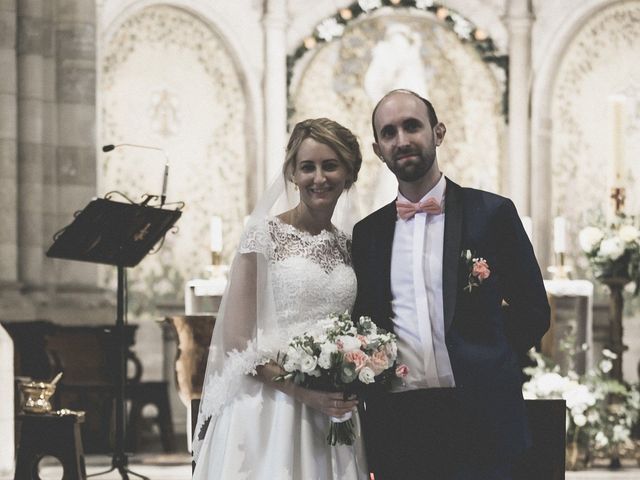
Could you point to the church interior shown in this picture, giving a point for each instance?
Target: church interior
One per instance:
(184, 107)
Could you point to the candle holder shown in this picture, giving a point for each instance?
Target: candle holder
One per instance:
(618, 196)
(560, 271)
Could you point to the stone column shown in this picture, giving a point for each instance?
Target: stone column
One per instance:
(8, 145)
(75, 111)
(275, 86)
(519, 21)
(30, 121)
(540, 187)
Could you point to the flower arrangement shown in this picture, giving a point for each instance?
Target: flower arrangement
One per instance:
(613, 248)
(340, 356)
(478, 269)
(600, 411)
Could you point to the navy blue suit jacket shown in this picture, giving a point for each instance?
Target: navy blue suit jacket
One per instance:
(482, 340)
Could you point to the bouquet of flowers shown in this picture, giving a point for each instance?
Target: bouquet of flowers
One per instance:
(340, 356)
(613, 249)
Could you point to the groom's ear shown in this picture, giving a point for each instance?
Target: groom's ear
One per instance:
(376, 150)
(439, 132)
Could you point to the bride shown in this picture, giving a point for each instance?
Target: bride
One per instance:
(291, 270)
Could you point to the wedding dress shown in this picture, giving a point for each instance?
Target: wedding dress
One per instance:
(246, 428)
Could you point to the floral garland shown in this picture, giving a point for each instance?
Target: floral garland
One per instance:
(333, 27)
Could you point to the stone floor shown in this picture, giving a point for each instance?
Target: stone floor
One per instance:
(177, 467)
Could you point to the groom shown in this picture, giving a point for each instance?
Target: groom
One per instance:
(437, 268)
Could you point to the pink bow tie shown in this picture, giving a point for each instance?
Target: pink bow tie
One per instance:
(406, 210)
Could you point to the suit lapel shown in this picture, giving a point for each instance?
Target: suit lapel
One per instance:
(382, 253)
(451, 252)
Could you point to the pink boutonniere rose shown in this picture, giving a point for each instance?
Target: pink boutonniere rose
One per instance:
(478, 270)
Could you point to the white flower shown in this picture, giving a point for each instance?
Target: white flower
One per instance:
(424, 4)
(589, 238)
(620, 434)
(366, 375)
(329, 28)
(611, 248)
(461, 26)
(347, 343)
(628, 233)
(609, 354)
(550, 382)
(580, 420)
(601, 440)
(579, 398)
(606, 365)
(308, 363)
(367, 5)
(326, 349)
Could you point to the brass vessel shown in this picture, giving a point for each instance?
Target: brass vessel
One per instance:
(36, 395)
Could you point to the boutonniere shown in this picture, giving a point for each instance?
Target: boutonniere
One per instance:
(478, 269)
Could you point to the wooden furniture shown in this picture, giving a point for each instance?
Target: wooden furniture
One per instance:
(88, 356)
(46, 434)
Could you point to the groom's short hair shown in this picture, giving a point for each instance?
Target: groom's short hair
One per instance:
(431, 112)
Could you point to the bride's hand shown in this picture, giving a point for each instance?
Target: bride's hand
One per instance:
(332, 404)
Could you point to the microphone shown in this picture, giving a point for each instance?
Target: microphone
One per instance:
(165, 176)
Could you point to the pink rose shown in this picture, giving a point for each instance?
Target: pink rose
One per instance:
(481, 269)
(402, 371)
(378, 362)
(363, 340)
(357, 357)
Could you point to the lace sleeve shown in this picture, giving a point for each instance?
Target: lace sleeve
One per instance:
(256, 239)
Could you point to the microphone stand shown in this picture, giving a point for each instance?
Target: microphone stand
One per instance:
(118, 234)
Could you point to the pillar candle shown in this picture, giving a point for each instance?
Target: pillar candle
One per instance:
(216, 234)
(617, 111)
(559, 231)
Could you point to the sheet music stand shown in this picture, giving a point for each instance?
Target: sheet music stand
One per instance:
(119, 234)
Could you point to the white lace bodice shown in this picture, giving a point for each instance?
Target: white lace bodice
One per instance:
(312, 275)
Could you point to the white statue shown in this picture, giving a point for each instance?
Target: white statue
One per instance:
(396, 62)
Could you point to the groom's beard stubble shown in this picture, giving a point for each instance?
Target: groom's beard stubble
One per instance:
(414, 169)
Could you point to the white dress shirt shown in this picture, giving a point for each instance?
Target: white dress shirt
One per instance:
(416, 290)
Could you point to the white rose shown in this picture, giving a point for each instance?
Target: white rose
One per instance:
(606, 365)
(579, 398)
(620, 434)
(580, 420)
(612, 248)
(550, 382)
(366, 375)
(348, 343)
(628, 233)
(308, 363)
(589, 238)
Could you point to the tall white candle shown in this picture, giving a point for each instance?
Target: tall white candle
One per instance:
(617, 105)
(527, 223)
(216, 234)
(559, 231)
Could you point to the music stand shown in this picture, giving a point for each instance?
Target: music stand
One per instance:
(119, 234)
